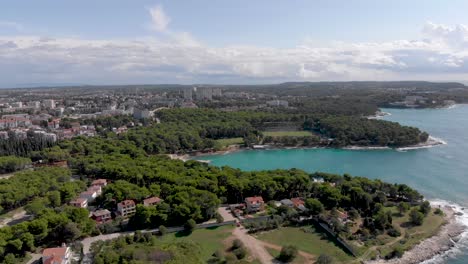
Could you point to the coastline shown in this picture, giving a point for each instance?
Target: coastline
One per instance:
(431, 142)
(379, 115)
(436, 246)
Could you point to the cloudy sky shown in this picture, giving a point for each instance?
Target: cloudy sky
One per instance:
(221, 41)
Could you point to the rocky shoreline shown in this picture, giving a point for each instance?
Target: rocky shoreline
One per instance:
(443, 241)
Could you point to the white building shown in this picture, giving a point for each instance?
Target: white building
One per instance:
(49, 103)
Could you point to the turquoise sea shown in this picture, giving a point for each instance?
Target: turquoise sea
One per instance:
(440, 172)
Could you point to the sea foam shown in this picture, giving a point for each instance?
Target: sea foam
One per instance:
(460, 246)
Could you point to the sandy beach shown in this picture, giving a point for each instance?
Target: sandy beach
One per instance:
(445, 239)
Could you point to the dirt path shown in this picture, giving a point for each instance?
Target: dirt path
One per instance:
(17, 216)
(309, 258)
(253, 245)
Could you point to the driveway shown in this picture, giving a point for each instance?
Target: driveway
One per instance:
(226, 214)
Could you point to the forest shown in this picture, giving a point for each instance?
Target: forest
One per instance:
(191, 191)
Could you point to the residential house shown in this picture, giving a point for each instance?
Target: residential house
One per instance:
(89, 195)
(95, 188)
(287, 202)
(126, 208)
(79, 202)
(99, 182)
(59, 255)
(254, 204)
(299, 203)
(101, 216)
(152, 201)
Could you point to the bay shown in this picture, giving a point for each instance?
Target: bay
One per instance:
(439, 172)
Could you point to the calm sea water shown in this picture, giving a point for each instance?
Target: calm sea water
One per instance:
(439, 172)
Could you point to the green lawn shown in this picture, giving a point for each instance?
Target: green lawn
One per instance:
(210, 239)
(287, 133)
(311, 242)
(225, 142)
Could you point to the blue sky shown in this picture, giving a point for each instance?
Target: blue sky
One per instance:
(217, 41)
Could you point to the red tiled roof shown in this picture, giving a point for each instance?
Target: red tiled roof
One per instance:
(53, 260)
(152, 200)
(79, 200)
(254, 199)
(127, 202)
(99, 182)
(297, 201)
(60, 251)
(101, 212)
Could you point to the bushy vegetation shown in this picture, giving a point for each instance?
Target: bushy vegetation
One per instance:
(11, 163)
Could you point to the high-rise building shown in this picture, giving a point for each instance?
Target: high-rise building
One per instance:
(49, 103)
(203, 93)
(188, 93)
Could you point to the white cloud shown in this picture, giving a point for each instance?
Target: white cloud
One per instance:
(178, 57)
(159, 19)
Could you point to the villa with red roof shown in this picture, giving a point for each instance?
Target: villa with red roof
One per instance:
(151, 201)
(254, 204)
(59, 255)
(126, 208)
(79, 202)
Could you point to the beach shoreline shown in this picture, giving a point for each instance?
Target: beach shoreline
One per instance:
(431, 142)
(437, 245)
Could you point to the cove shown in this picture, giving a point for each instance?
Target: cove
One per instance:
(439, 172)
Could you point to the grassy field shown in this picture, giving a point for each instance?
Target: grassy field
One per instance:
(415, 234)
(310, 242)
(287, 133)
(225, 142)
(411, 235)
(209, 239)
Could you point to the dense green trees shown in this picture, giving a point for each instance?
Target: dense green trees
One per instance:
(345, 130)
(25, 186)
(50, 227)
(19, 146)
(12, 163)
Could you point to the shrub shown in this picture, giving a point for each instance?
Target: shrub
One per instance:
(219, 218)
(394, 232)
(397, 252)
(240, 253)
(190, 225)
(425, 207)
(237, 244)
(416, 217)
(163, 230)
(324, 259)
(288, 253)
(438, 211)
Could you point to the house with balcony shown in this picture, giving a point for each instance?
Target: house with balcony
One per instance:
(79, 202)
(126, 208)
(101, 216)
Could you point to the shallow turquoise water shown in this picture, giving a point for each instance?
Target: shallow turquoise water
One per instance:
(439, 172)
